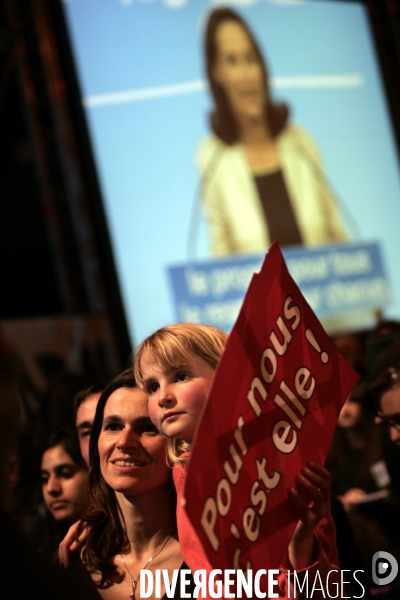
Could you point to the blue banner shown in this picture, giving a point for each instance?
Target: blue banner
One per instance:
(345, 285)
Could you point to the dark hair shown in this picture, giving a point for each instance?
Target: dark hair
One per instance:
(385, 376)
(84, 394)
(342, 447)
(50, 531)
(222, 120)
(66, 438)
(107, 535)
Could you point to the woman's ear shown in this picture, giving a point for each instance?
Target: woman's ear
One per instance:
(214, 72)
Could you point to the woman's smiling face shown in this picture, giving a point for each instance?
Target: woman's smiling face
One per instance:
(131, 451)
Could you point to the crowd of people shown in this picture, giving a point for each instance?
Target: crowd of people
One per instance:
(117, 473)
(109, 479)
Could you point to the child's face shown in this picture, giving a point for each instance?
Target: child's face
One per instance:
(176, 396)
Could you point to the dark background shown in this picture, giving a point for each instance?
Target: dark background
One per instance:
(55, 253)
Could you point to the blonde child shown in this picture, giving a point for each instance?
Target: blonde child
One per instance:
(175, 366)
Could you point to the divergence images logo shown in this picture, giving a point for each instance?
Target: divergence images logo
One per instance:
(384, 568)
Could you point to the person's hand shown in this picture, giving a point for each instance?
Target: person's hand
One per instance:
(351, 497)
(71, 543)
(312, 500)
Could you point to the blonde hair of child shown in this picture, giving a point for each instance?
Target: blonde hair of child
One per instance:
(175, 345)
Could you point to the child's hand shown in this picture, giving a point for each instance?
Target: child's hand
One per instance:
(71, 543)
(313, 502)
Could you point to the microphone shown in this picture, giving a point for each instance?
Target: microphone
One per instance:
(325, 181)
(192, 239)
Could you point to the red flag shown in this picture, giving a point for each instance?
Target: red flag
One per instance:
(274, 405)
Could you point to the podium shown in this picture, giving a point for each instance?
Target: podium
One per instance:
(345, 284)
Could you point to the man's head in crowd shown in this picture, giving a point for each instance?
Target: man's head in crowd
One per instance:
(85, 404)
(384, 392)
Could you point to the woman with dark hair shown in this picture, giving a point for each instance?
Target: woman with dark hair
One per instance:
(63, 475)
(262, 178)
(132, 501)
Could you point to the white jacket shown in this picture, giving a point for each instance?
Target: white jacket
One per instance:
(232, 205)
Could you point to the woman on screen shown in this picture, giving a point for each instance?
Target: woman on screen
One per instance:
(262, 178)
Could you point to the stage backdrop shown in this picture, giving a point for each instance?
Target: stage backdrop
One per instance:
(140, 68)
